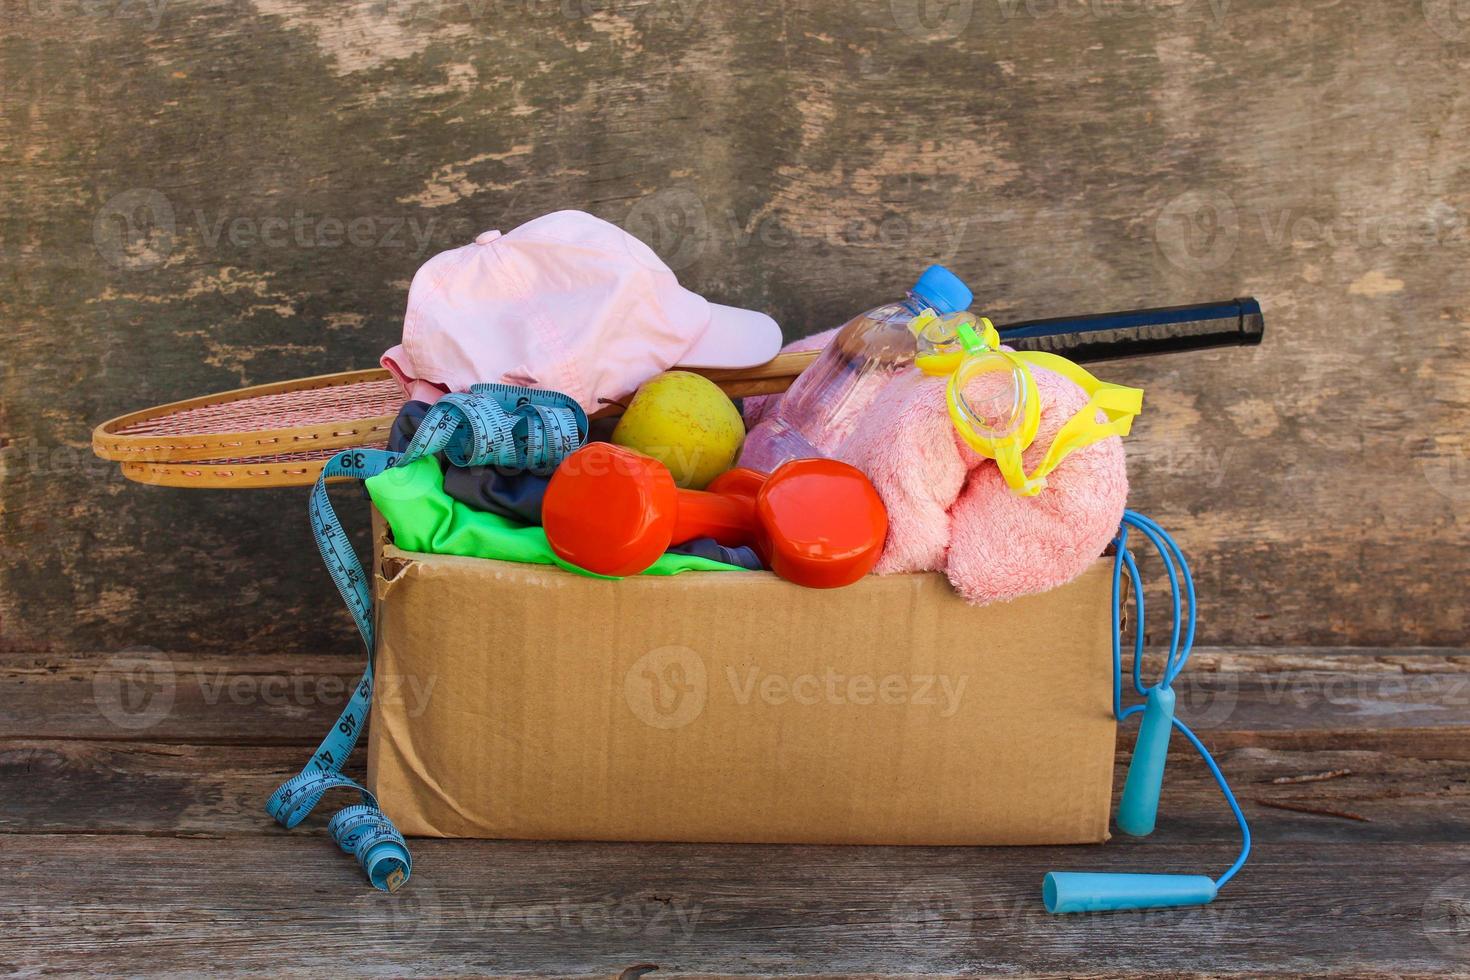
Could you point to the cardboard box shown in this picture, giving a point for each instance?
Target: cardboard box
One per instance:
(523, 701)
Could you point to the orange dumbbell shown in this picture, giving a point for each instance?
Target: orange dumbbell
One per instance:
(815, 522)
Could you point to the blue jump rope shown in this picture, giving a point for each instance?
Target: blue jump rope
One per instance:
(1081, 891)
(520, 427)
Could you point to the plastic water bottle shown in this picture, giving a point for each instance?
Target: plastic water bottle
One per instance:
(828, 399)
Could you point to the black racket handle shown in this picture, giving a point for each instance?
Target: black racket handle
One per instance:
(1138, 333)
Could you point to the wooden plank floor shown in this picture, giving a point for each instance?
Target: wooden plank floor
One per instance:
(135, 843)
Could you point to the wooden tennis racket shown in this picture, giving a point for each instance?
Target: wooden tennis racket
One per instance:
(282, 434)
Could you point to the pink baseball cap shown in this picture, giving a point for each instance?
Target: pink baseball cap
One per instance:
(568, 302)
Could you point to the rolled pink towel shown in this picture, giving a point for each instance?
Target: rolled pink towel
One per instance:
(950, 510)
(1002, 546)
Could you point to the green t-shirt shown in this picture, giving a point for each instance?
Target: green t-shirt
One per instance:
(424, 518)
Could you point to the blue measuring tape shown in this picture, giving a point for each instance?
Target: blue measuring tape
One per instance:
(492, 425)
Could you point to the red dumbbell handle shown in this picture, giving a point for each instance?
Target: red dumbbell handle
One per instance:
(730, 520)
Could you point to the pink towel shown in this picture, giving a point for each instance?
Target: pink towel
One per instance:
(948, 507)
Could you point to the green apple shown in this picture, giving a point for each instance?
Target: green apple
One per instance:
(686, 422)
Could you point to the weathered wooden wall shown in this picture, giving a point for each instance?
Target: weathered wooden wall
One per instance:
(199, 195)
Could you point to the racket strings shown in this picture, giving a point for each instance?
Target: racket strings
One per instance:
(316, 455)
(282, 410)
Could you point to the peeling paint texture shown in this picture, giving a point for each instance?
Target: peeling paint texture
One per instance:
(199, 195)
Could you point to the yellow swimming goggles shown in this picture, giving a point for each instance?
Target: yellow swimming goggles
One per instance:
(994, 404)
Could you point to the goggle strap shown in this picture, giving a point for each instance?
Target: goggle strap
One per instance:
(1118, 403)
(1079, 432)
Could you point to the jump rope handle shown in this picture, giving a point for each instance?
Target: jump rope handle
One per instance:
(1086, 891)
(1139, 807)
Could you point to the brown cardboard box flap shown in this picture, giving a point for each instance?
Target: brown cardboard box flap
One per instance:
(523, 701)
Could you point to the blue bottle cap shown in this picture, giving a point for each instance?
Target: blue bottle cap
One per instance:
(943, 290)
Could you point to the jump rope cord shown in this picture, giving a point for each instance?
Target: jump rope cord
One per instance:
(1181, 644)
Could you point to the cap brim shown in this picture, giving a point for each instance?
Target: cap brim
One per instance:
(736, 338)
(400, 365)
(397, 362)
